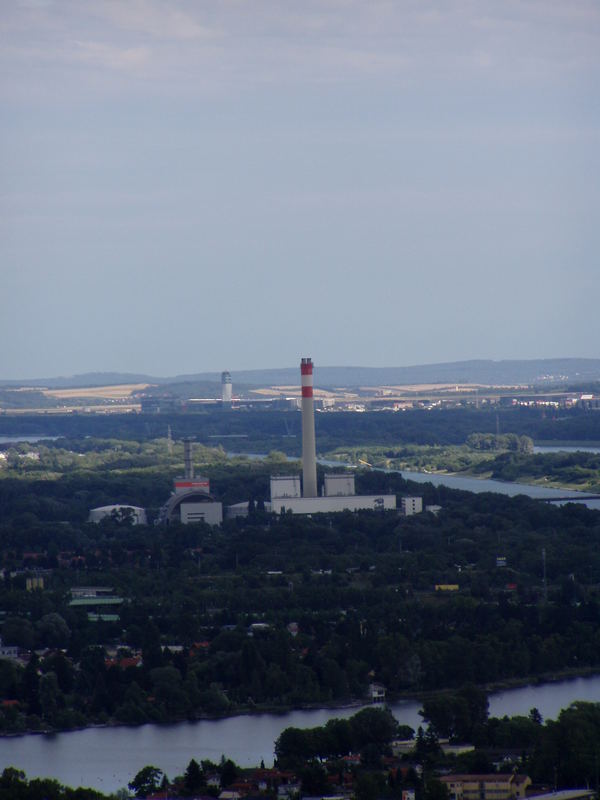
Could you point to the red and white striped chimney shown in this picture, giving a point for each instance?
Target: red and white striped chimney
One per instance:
(309, 453)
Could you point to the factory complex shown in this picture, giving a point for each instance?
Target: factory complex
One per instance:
(191, 500)
(338, 495)
(287, 493)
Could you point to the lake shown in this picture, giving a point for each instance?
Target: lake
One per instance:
(108, 758)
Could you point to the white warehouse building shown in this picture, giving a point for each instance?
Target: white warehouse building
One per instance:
(325, 505)
(120, 513)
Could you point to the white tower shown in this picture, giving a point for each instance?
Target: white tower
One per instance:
(226, 388)
(309, 453)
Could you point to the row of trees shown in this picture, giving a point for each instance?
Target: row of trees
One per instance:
(281, 430)
(564, 752)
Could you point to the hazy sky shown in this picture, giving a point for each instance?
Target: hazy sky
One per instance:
(191, 185)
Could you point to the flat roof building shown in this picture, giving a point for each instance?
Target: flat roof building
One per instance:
(325, 505)
(339, 485)
(120, 513)
(411, 505)
(285, 486)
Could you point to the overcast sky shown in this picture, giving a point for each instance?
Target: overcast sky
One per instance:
(191, 185)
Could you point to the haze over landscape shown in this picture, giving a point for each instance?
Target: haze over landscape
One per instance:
(299, 400)
(190, 187)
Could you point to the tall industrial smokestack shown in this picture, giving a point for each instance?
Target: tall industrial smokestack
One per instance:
(309, 453)
(187, 459)
(226, 388)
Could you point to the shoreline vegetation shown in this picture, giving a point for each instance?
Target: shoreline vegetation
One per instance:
(371, 755)
(277, 710)
(508, 458)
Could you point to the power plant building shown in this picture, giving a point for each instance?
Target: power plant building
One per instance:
(339, 491)
(285, 486)
(412, 505)
(191, 500)
(120, 513)
(339, 485)
(325, 505)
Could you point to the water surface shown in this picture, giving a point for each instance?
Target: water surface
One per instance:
(108, 758)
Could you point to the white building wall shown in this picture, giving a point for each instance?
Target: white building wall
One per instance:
(237, 510)
(285, 486)
(98, 514)
(211, 513)
(323, 505)
(412, 505)
(339, 485)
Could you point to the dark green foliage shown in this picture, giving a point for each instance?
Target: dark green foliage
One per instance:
(15, 786)
(313, 778)
(360, 588)
(458, 716)
(280, 430)
(146, 781)
(369, 728)
(436, 790)
(193, 778)
(569, 748)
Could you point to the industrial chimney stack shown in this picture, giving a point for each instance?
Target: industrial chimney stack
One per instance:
(309, 453)
(187, 459)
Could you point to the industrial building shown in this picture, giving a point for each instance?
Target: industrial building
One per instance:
(191, 500)
(412, 505)
(289, 495)
(120, 513)
(496, 786)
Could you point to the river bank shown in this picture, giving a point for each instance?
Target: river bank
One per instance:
(544, 482)
(344, 706)
(107, 758)
(469, 480)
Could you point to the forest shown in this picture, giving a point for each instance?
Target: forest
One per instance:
(265, 430)
(270, 611)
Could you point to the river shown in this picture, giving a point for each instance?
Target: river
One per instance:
(108, 758)
(476, 485)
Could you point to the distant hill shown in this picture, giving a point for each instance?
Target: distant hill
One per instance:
(85, 380)
(551, 371)
(539, 371)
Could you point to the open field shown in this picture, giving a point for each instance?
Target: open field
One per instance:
(118, 392)
(295, 391)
